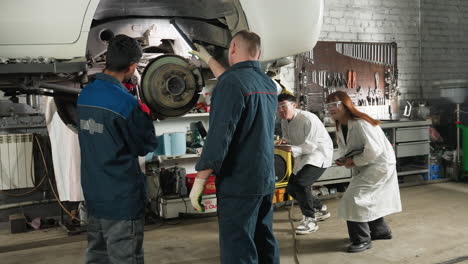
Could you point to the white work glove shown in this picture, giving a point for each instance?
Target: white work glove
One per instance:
(196, 194)
(201, 53)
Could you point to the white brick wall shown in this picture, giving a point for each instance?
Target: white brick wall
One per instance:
(379, 21)
(444, 37)
(444, 42)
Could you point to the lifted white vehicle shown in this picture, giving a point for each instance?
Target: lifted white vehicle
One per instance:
(53, 47)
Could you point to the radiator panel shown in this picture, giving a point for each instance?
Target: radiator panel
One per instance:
(16, 161)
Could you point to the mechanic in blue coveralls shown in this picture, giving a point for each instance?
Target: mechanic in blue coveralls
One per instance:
(113, 131)
(239, 151)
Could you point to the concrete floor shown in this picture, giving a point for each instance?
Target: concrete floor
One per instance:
(433, 228)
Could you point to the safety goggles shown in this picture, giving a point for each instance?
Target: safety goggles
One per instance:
(284, 106)
(332, 105)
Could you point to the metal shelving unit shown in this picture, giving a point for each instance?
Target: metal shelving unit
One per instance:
(409, 139)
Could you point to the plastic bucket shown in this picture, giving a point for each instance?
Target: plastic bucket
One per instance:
(178, 143)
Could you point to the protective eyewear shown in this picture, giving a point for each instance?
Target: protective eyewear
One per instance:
(332, 105)
(284, 106)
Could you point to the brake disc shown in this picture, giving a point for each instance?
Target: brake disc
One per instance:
(171, 85)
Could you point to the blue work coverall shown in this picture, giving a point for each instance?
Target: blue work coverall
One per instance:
(239, 148)
(113, 131)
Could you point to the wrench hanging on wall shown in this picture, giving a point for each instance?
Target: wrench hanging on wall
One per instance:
(378, 53)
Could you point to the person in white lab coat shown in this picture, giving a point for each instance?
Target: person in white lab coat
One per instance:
(312, 149)
(373, 191)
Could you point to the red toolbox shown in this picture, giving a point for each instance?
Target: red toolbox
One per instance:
(210, 187)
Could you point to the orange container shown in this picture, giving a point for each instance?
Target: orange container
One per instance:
(274, 197)
(280, 194)
(210, 187)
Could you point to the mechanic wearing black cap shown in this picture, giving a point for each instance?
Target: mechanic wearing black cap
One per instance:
(113, 131)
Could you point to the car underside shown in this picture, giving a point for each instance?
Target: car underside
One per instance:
(58, 51)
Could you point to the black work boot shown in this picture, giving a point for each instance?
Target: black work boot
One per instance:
(359, 247)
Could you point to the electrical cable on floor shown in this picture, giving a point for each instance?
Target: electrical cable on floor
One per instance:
(460, 259)
(52, 186)
(295, 249)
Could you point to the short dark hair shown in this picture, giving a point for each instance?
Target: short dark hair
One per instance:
(251, 39)
(286, 97)
(122, 51)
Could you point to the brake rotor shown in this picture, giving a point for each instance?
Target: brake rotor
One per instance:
(170, 85)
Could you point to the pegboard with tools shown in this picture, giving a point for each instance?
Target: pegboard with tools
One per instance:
(366, 71)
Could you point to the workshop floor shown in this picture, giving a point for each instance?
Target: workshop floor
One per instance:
(433, 228)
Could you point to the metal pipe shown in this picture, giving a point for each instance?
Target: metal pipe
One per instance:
(59, 88)
(14, 205)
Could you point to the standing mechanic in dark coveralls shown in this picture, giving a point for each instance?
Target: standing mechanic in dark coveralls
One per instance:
(239, 151)
(113, 132)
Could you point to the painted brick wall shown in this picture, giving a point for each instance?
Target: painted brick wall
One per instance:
(443, 37)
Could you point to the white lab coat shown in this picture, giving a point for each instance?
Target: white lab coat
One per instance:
(373, 191)
(310, 142)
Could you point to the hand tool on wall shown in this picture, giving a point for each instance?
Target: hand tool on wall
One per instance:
(375, 58)
(354, 80)
(369, 52)
(360, 52)
(376, 78)
(319, 76)
(333, 80)
(381, 54)
(361, 97)
(343, 81)
(391, 55)
(378, 53)
(369, 99)
(385, 54)
(349, 81)
(378, 60)
(369, 59)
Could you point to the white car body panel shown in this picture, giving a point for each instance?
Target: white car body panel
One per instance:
(58, 29)
(285, 27)
(47, 28)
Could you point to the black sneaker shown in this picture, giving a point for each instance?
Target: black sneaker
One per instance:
(322, 214)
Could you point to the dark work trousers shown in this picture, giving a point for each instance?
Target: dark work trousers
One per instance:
(300, 187)
(246, 230)
(360, 232)
(115, 241)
